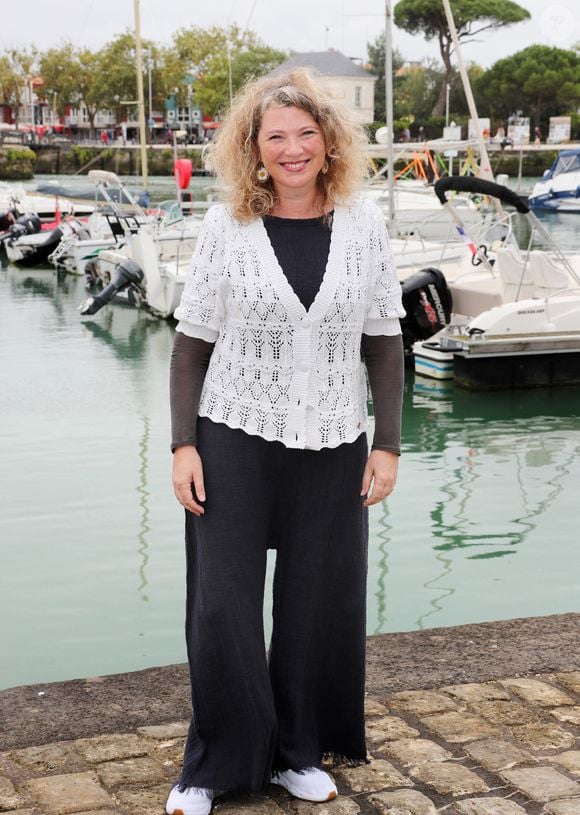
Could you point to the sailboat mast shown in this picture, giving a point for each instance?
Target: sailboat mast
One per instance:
(389, 111)
(485, 170)
(140, 96)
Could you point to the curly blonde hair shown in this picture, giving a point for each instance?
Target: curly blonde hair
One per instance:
(235, 158)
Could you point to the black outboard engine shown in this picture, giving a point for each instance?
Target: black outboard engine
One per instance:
(427, 302)
(24, 225)
(126, 275)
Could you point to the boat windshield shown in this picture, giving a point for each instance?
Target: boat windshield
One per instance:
(567, 164)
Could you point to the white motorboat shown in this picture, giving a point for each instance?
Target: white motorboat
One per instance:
(47, 207)
(111, 227)
(519, 319)
(559, 188)
(148, 271)
(110, 224)
(32, 248)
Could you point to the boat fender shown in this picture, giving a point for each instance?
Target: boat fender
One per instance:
(126, 273)
(182, 170)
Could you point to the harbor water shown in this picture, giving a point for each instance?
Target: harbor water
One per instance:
(482, 525)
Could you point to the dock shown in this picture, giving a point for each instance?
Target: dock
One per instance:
(478, 719)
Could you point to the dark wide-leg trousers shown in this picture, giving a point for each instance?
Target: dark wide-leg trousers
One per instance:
(255, 712)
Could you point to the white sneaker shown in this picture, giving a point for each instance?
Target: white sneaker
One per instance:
(192, 801)
(310, 784)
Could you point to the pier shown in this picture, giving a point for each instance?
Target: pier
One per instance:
(472, 720)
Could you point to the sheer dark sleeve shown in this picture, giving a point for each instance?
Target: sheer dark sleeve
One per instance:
(384, 358)
(189, 363)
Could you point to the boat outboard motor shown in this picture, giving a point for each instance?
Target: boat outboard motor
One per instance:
(126, 274)
(28, 224)
(7, 218)
(427, 302)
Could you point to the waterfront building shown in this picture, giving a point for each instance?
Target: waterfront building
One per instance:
(346, 80)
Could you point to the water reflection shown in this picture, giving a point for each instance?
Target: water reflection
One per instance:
(493, 440)
(144, 528)
(482, 474)
(125, 331)
(436, 593)
(27, 283)
(384, 536)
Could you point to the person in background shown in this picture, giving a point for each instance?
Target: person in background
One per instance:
(291, 292)
(537, 135)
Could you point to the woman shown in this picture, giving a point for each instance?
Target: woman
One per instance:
(292, 279)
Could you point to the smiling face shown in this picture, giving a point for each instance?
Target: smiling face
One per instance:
(292, 149)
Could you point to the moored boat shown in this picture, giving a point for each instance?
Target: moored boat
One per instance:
(528, 332)
(30, 248)
(559, 188)
(91, 192)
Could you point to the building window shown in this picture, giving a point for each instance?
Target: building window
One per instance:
(357, 96)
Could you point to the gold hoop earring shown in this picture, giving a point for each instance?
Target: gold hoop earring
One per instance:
(325, 167)
(262, 174)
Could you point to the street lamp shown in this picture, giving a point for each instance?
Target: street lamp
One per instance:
(30, 91)
(190, 78)
(151, 121)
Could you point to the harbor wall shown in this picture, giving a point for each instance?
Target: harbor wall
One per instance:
(16, 163)
(21, 163)
(121, 160)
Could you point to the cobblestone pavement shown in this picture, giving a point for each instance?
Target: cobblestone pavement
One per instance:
(507, 747)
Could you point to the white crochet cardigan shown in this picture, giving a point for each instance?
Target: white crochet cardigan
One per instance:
(278, 370)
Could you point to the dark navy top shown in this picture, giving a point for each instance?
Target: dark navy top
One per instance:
(301, 246)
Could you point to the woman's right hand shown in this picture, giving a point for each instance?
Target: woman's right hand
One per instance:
(188, 471)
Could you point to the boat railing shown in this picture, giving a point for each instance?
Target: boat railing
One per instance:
(62, 250)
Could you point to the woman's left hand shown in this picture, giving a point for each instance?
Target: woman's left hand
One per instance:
(381, 469)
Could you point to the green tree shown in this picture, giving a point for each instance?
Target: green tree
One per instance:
(17, 66)
(101, 79)
(210, 54)
(376, 62)
(471, 17)
(72, 76)
(213, 92)
(547, 81)
(59, 68)
(417, 87)
(457, 102)
(116, 71)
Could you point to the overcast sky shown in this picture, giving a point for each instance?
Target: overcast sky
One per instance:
(299, 25)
